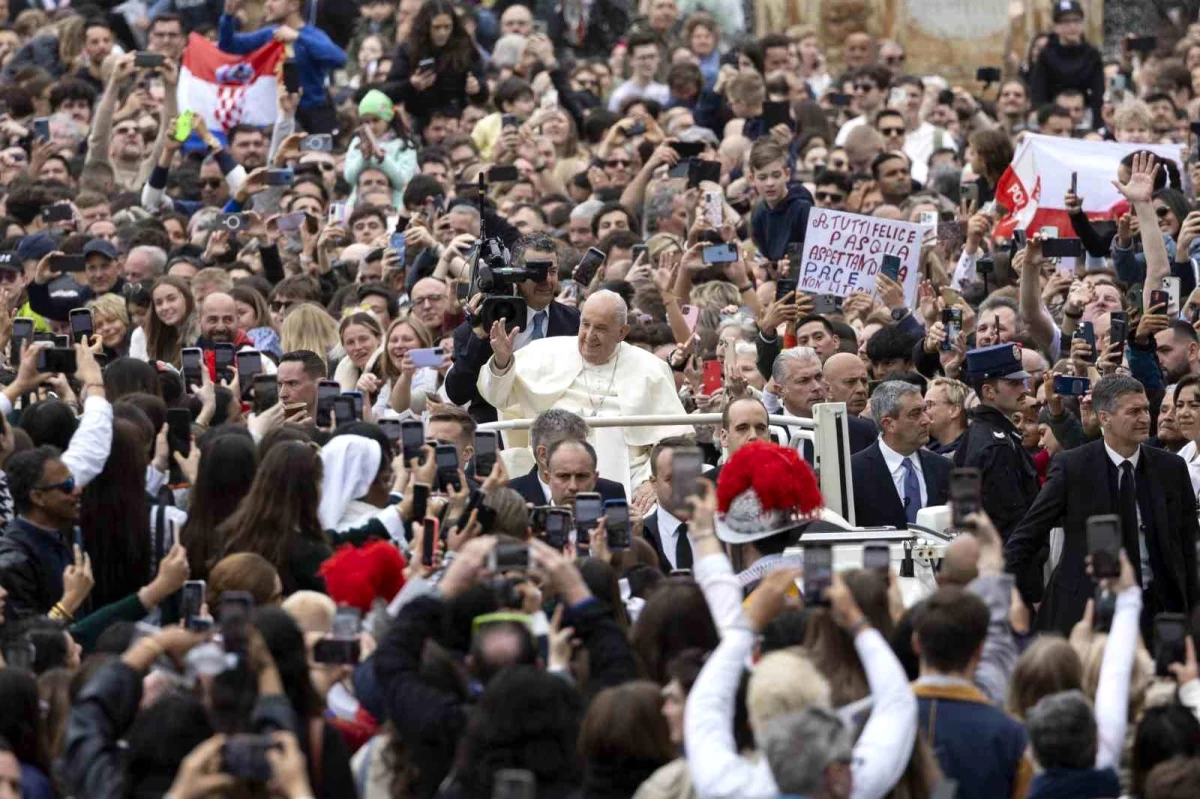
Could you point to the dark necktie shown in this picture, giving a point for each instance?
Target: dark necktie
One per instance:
(1127, 502)
(683, 548)
(912, 492)
(539, 319)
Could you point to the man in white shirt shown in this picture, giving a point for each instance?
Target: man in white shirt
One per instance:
(665, 530)
(870, 93)
(643, 57)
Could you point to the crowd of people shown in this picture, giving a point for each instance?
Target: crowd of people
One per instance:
(261, 534)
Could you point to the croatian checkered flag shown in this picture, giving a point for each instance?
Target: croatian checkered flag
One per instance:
(228, 89)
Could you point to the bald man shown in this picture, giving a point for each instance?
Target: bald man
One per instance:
(846, 377)
(218, 320)
(430, 300)
(516, 19)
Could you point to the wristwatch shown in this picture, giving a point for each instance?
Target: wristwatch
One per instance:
(898, 314)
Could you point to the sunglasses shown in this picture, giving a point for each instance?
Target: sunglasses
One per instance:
(828, 196)
(66, 486)
(1161, 213)
(281, 305)
(211, 183)
(892, 131)
(615, 163)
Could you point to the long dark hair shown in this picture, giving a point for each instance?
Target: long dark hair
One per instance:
(281, 509)
(115, 518)
(227, 466)
(20, 720)
(458, 52)
(163, 342)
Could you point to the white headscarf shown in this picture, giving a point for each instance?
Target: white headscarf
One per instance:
(351, 464)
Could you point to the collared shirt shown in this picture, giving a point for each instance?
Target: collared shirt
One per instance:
(668, 532)
(527, 329)
(895, 465)
(545, 488)
(1144, 556)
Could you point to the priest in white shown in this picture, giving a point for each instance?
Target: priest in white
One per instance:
(595, 375)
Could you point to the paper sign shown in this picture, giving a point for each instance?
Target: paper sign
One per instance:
(843, 253)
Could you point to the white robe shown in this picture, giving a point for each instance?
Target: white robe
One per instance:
(550, 373)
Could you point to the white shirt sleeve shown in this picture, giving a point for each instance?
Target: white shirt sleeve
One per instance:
(89, 447)
(154, 480)
(1116, 669)
(965, 270)
(137, 345)
(882, 752)
(722, 591)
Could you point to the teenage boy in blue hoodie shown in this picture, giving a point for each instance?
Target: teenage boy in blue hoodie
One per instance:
(781, 216)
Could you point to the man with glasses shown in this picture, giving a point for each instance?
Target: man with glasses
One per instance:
(166, 36)
(890, 124)
(644, 59)
(1068, 61)
(870, 91)
(833, 188)
(462, 151)
(430, 299)
(292, 291)
(891, 55)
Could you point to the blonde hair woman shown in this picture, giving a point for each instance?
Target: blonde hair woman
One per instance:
(110, 320)
(360, 334)
(558, 127)
(309, 327)
(405, 387)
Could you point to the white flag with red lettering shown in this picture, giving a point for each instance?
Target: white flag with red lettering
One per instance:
(1034, 185)
(228, 89)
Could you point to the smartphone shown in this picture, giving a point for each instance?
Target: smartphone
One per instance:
(539, 27)
(826, 304)
(62, 340)
(1104, 545)
(1118, 326)
(1170, 632)
(82, 329)
(228, 222)
(41, 129)
(317, 143)
(687, 149)
(426, 64)
(327, 392)
(509, 557)
(1068, 386)
(279, 177)
(336, 651)
(818, 573)
(774, 114)
(588, 265)
(1171, 286)
(338, 213)
(249, 364)
(700, 171)
(929, 219)
(969, 193)
(432, 533)
(720, 253)
(1062, 248)
(432, 358)
(192, 600)
(67, 263)
(616, 524)
(589, 507)
(144, 60)
(714, 208)
(877, 557)
(266, 392)
(783, 287)
(502, 174)
(391, 429)
(412, 439)
(179, 430)
(1087, 332)
(556, 527)
(291, 77)
(357, 398)
(1075, 183)
(839, 100)
(636, 129)
(1104, 607)
(486, 449)
(193, 364)
(56, 360)
(890, 266)
(245, 757)
(966, 496)
(952, 319)
(343, 411)
(988, 74)
(686, 463)
(1142, 44)
(420, 504)
(223, 357)
(713, 377)
(446, 460)
(59, 212)
(22, 331)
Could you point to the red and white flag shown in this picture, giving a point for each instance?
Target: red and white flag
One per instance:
(228, 89)
(1034, 185)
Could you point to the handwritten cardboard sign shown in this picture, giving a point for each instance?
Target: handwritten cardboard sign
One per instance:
(843, 253)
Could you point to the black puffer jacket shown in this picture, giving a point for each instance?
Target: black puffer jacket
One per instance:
(1069, 67)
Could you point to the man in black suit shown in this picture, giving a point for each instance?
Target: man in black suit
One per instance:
(798, 374)
(896, 476)
(743, 420)
(549, 428)
(543, 318)
(662, 529)
(571, 469)
(1147, 487)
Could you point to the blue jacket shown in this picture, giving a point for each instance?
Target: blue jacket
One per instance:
(1075, 783)
(1130, 264)
(775, 228)
(315, 53)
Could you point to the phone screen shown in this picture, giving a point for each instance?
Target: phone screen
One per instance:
(412, 438)
(1170, 631)
(193, 598)
(179, 430)
(877, 557)
(485, 452)
(428, 539)
(965, 496)
(266, 392)
(1104, 545)
(81, 325)
(588, 508)
(327, 392)
(193, 362)
(685, 471)
(616, 524)
(343, 411)
(818, 573)
(391, 428)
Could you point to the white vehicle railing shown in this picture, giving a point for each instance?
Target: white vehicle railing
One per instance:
(827, 431)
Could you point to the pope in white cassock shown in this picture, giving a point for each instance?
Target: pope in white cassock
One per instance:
(595, 375)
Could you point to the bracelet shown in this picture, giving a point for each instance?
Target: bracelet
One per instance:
(1070, 315)
(60, 612)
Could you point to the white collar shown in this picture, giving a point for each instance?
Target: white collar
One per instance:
(894, 460)
(545, 486)
(1117, 458)
(668, 523)
(531, 312)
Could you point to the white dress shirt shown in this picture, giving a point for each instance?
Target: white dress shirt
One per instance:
(545, 488)
(668, 533)
(895, 465)
(527, 329)
(1117, 459)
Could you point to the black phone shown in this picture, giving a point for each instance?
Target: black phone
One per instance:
(59, 212)
(337, 651)
(446, 460)
(22, 331)
(291, 77)
(67, 263)
(1062, 248)
(1158, 297)
(327, 392)
(839, 100)
(412, 438)
(234, 608)
(966, 496)
(1087, 332)
(719, 253)
(775, 113)
(556, 527)
(1170, 632)
(420, 499)
(266, 392)
(890, 266)
(144, 60)
(818, 573)
(1104, 604)
(249, 364)
(82, 328)
(1075, 183)
(193, 365)
(179, 430)
(1118, 327)
(783, 287)
(317, 143)
(988, 74)
(700, 171)
(502, 174)
(1104, 545)
(279, 177)
(426, 64)
(687, 149)
(56, 360)
(343, 411)
(588, 265)
(1142, 44)
(62, 340)
(686, 463)
(223, 357)
(41, 129)
(952, 319)
(1069, 386)
(391, 429)
(193, 600)
(486, 448)
(877, 557)
(589, 507)
(430, 538)
(245, 757)
(616, 524)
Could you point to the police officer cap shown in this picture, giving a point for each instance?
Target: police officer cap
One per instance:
(1001, 360)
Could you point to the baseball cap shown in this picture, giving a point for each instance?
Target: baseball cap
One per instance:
(36, 247)
(1064, 7)
(103, 247)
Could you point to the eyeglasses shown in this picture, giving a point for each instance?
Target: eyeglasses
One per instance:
(1162, 212)
(896, 59)
(617, 162)
(66, 486)
(829, 196)
(892, 131)
(281, 305)
(211, 183)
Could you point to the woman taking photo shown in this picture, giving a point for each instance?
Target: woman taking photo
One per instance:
(360, 335)
(170, 326)
(457, 75)
(110, 320)
(402, 386)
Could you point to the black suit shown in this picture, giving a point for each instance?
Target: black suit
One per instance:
(471, 353)
(530, 488)
(876, 502)
(863, 433)
(650, 533)
(1082, 482)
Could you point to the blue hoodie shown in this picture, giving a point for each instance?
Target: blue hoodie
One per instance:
(1074, 783)
(775, 228)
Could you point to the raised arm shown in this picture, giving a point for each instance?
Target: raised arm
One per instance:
(1029, 263)
(101, 135)
(1139, 191)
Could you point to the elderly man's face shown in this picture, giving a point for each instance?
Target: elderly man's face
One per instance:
(601, 330)
(429, 301)
(518, 20)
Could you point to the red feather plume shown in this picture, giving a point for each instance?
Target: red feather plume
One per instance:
(356, 576)
(780, 477)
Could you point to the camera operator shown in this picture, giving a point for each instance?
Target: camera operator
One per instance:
(543, 317)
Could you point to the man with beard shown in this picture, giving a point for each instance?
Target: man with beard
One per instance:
(248, 145)
(543, 317)
(1178, 350)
